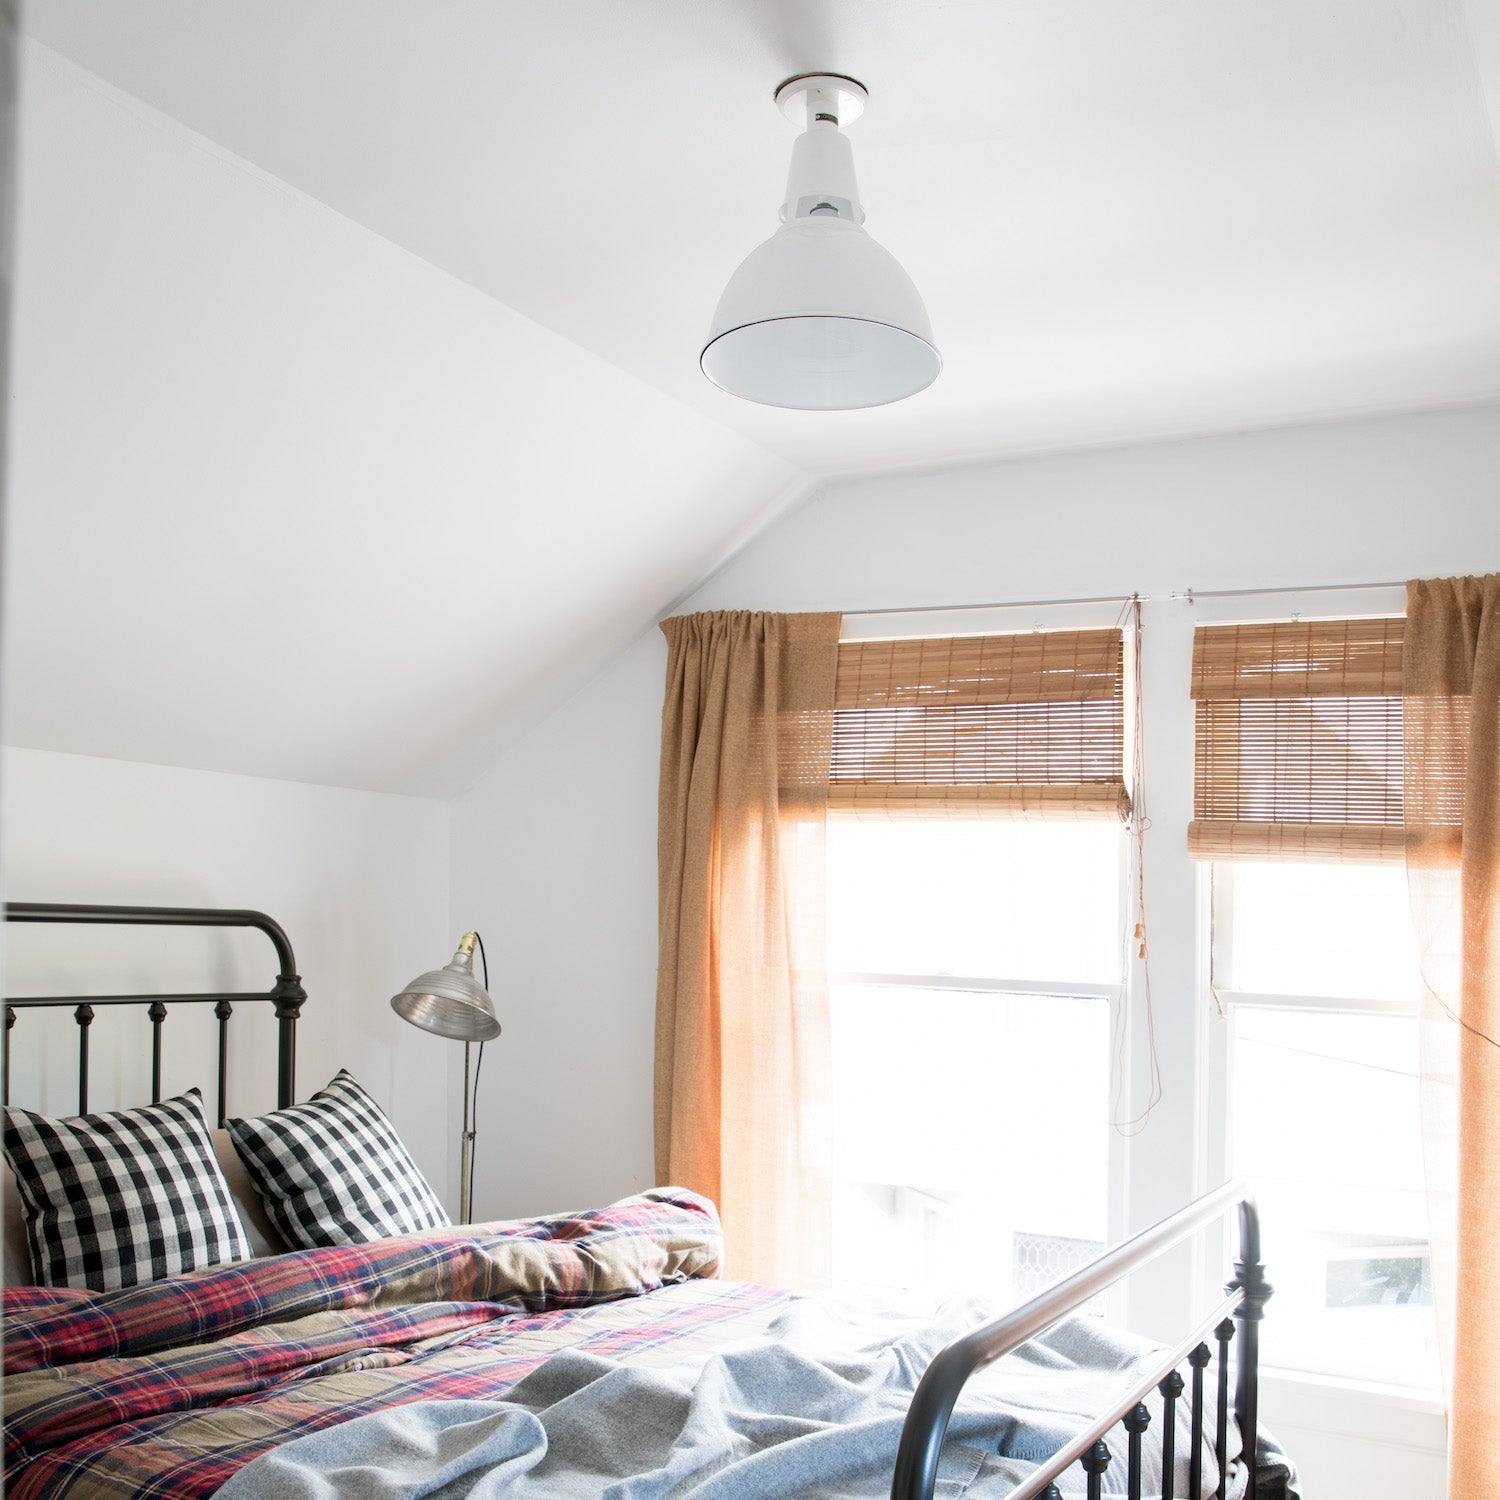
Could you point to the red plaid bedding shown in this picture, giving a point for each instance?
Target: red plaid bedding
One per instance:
(165, 1390)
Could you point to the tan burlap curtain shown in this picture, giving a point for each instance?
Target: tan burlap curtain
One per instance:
(742, 1049)
(1297, 741)
(1007, 726)
(1452, 713)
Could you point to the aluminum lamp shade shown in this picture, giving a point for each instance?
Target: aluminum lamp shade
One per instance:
(449, 1001)
(821, 318)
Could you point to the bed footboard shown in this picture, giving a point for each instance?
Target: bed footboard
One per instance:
(1243, 1304)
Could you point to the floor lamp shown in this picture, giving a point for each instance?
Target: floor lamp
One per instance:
(450, 1002)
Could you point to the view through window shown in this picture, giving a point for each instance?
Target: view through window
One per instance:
(1317, 973)
(974, 965)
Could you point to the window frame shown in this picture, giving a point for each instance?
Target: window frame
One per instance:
(1182, 1149)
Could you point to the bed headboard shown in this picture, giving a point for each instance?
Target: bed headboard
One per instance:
(286, 993)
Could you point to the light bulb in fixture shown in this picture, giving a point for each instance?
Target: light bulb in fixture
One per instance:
(820, 317)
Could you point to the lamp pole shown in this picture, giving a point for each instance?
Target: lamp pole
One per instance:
(466, 1148)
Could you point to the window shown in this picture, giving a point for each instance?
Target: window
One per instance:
(1293, 915)
(976, 956)
(1297, 800)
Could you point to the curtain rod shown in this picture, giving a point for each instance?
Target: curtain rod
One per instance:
(1185, 595)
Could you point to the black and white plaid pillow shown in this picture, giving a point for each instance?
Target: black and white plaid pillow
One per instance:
(333, 1171)
(114, 1199)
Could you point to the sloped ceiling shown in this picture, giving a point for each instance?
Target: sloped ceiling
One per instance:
(357, 406)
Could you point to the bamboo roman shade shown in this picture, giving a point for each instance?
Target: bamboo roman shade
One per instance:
(1297, 731)
(1011, 726)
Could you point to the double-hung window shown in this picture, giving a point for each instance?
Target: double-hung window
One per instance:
(1297, 805)
(975, 876)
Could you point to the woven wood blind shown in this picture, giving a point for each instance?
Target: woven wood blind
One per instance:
(1298, 741)
(1009, 726)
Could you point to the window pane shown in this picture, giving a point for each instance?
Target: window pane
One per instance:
(991, 899)
(971, 1138)
(1321, 930)
(1326, 1128)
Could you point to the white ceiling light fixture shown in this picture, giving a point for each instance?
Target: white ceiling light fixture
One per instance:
(820, 317)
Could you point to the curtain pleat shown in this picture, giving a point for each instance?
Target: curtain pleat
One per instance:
(742, 1031)
(1451, 693)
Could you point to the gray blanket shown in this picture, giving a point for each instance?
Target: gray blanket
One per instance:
(814, 1412)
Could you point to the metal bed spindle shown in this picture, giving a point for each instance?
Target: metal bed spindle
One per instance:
(1137, 1420)
(84, 1015)
(223, 1010)
(1170, 1389)
(1095, 1462)
(1199, 1359)
(156, 1013)
(1224, 1332)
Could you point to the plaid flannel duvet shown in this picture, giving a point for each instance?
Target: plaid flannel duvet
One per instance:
(164, 1390)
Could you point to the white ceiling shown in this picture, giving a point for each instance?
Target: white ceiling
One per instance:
(1129, 221)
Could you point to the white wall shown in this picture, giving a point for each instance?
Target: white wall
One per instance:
(565, 870)
(555, 864)
(359, 881)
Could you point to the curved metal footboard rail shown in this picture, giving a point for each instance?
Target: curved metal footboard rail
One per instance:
(939, 1389)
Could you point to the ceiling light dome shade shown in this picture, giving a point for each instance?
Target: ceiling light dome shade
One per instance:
(821, 318)
(449, 1001)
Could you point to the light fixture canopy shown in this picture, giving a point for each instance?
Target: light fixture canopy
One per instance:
(449, 1001)
(820, 317)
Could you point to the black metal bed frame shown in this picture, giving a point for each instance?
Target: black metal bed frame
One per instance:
(286, 994)
(1244, 1303)
(939, 1389)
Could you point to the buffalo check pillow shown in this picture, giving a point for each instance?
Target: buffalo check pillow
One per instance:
(333, 1171)
(111, 1200)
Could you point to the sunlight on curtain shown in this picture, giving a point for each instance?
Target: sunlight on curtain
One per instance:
(1451, 687)
(742, 1065)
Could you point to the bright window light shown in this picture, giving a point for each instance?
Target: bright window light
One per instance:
(1325, 1120)
(1342, 930)
(1001, 899)
(971, 1124)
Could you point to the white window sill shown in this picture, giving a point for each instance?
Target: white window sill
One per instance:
(1397, 1416)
